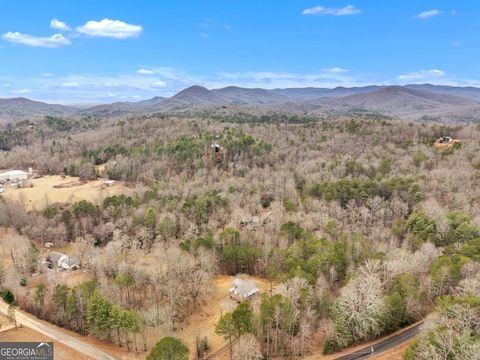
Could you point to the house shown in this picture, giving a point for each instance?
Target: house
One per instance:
(243, 289)
(62, 261)
(217, 147)
(68, 263)
(15, 176)
(446, 143)
(108, 182)
(444, 139)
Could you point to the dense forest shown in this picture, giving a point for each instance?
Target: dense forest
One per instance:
(359, 223)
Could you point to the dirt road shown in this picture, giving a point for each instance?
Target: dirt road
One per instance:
(49, 330)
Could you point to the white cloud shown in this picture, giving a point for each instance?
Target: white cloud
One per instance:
(145, 72)
(423, 75)
(21, 91)
(110, 28)
(59, 25)
(335, 70)
(53, 41)
(71, 84)
(428, 14)
(159, 84)
(343, 11)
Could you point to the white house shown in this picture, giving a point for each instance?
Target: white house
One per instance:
(242, 289)
(14, 176)
(108, 182)
(62, 261)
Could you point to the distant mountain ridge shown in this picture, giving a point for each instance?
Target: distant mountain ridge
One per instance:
(23, 107)
(403, 102)
(409, 101)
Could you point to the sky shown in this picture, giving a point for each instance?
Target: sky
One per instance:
(91, 51)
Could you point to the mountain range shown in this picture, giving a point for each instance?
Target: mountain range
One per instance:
(409, 101)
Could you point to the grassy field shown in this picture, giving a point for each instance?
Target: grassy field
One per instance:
(52, 189)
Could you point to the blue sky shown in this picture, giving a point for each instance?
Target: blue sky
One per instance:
(86, 51)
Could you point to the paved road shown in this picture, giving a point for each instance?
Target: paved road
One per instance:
(383, 345)
(57, 335)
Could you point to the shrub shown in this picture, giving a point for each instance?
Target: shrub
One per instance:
(289, 205)
(292, 231)
(8, 296)
(85, 208)
(169, 348)
(266, 199)
(50, 212)
(331, 346)
(230, 236)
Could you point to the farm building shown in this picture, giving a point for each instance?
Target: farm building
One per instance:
(62, 261)
(444, 139)
(14, 176)
(108, 182)
(243, 289)
(446, 142)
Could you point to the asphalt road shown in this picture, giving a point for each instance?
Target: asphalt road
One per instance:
(57, 334)
(383, 345)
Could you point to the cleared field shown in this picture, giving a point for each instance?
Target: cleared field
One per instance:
(202, 322)
(51, 189)
(446, 146)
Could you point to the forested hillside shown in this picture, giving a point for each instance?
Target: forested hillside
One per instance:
(360, 225)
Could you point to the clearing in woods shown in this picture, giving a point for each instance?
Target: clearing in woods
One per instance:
(202, 322)
(53, 189)
(446, 145)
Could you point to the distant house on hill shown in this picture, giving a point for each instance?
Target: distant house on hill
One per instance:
(14, 176)
(446, 142)
(444, 139)
(243, 289)
(108, 182)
